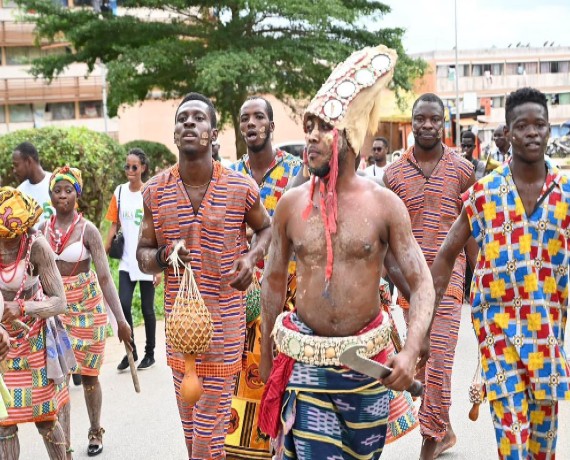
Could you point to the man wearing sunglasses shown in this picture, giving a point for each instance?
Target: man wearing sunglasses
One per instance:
(379, 156)
(468, 147)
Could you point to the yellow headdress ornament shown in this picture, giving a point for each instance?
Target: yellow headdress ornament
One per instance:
(18, 212)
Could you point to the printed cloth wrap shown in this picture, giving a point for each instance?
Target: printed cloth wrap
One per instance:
(72, 175)
(85, 321)
(319, 402)
(18, 212)
(36, 366)
(519, 292)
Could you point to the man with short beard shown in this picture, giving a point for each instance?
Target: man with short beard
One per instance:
(430, 178)
(340, 237)
(272, 169)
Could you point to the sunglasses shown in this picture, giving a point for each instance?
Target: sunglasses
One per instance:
(132, 168)
(467, 146)
(377, 149)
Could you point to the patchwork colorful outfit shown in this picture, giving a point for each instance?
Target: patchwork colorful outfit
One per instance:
(433, 204)
(315, 408)
(245, 439)
(215, 237)
(519, 296)
(35, 367)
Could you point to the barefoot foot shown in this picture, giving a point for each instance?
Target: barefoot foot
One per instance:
(428, 448)
(446, 443)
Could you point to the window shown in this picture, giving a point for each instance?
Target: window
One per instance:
(554, 67)
(2, 114)
(496, 69)
(442, 71)
(564, 98)
(477, 70)
(497, 101)
(531, 68)
(21, 113)
(61, 111)
(22, 55)
(91, 109)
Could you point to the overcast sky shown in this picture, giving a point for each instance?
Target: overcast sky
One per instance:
(481, 23)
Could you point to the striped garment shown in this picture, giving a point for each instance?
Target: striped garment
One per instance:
(35, 397)
(85, 321)
(215, 237)
(205, 425)
(332, 413)
(433, 204)
(244, 439)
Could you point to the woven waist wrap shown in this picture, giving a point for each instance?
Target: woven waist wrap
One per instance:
(325, 351)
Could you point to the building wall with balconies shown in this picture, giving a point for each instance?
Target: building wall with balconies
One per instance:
(74, 98)
(491, 74)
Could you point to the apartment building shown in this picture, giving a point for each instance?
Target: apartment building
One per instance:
(75, 98)
(487, 76)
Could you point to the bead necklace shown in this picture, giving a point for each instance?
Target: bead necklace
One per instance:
(197, 186)
(58, 240)
(7, 267)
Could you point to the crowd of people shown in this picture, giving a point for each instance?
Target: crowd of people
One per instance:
(318, 238)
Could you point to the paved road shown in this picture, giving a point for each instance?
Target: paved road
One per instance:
(146, 425)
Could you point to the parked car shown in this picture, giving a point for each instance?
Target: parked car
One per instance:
(292, 147)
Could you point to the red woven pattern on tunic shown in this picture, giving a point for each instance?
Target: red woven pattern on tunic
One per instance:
(215, 237)
(434, 203)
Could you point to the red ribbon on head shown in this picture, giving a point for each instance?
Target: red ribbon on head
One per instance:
(328, 201)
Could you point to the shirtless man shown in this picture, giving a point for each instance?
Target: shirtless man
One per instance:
(340, 243)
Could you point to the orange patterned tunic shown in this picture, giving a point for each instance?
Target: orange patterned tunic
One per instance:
(215, 237)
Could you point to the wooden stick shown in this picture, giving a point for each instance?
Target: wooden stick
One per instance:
(17, 324)
(134, 374)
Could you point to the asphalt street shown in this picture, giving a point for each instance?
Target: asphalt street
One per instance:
(146, 425)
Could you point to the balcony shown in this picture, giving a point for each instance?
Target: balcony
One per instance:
(501, 84)
(16, 34)
(62, 89)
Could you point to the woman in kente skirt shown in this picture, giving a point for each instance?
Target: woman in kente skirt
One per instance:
(76, 242)
(35, 366)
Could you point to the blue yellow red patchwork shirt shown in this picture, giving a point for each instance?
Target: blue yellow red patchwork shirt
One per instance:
(519, 291)
(283, 169)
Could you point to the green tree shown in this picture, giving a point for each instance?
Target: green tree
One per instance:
(224, 49)
(98, 156)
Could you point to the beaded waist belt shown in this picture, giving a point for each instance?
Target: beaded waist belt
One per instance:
(325, 351)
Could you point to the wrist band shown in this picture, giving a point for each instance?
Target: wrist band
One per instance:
(21, 305)
(161, 264)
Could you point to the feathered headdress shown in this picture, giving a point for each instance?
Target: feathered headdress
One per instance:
(349, 101)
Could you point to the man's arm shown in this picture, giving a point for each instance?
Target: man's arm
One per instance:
(396, 275)
(260, 222)
(407, 253)
(454, 242)
(147, 249)
(274, 286)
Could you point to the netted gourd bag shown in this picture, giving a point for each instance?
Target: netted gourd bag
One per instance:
(253, 300)
(189, 327)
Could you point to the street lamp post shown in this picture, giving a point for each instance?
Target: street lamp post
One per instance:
(103, 68)
(457, 116)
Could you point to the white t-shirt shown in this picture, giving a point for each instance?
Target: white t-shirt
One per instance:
(131, 215)
(40, 193)
(376, 171)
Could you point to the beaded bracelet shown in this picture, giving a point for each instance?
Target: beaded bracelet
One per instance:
(21, 305)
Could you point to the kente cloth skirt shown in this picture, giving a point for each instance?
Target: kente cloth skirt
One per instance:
(35, 397)
(85, 321)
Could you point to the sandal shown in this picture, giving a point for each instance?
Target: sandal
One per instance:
(95, 435)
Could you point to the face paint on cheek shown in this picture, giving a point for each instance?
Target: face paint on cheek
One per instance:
(204, 135)
(204, 142)
(262, 135)
(262, 129)
(328, 140)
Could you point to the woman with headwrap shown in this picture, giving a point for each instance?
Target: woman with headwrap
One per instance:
(76, 241)
(33, 294)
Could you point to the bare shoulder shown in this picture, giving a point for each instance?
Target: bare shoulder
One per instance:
(293, 197)
(91, 231)
(40, 248)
